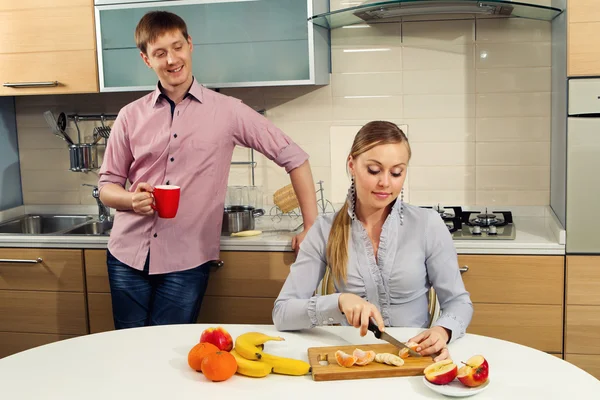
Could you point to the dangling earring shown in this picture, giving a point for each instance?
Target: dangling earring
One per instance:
(402, 207)
(353, 194)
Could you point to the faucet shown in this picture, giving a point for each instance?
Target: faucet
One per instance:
(103, 211)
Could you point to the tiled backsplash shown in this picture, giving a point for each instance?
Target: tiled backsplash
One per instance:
(474, 97)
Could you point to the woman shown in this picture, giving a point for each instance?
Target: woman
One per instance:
(383, 254)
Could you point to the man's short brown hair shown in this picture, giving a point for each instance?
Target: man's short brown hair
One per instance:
(155, 23)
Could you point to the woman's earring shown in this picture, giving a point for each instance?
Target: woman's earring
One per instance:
(353, 191)
(402, 207)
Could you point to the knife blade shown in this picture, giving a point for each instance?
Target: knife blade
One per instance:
(390, 339)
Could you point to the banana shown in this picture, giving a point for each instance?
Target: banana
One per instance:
(250, 345)
(255, 369)
(286, 366)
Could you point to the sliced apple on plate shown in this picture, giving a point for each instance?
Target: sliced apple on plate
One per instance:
(475, 371)
(441, 372)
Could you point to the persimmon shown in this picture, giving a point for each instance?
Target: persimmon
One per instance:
(219, 366)
(197, 354)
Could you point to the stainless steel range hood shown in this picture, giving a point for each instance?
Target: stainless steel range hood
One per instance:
(377, 11)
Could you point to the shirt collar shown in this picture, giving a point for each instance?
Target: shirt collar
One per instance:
(195, 91)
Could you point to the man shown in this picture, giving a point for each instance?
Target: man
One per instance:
(180, 134)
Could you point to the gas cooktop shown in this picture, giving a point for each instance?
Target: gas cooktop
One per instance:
(477, 224)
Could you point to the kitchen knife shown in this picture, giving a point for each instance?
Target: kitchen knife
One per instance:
(388, 338)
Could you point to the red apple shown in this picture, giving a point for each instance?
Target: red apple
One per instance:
(475, 371)
(219, 337)
(441, 372)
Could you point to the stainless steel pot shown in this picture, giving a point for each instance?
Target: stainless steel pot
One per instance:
(239, 218)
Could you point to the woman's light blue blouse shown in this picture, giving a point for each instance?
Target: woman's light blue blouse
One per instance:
(415, 253)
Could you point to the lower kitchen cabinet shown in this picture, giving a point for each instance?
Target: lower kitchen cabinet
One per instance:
(42, 297)
(242, 291)
(582, 327)
(517, 298)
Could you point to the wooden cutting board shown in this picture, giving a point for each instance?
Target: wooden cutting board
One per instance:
(413, 366)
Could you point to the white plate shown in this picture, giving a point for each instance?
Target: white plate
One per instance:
(455, 388)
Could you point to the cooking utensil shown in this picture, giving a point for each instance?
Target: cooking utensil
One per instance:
(239, 218)
(246, 233)
(332, 371)
(56, 127)
(101, 131)
(285, 198)
(390, 339)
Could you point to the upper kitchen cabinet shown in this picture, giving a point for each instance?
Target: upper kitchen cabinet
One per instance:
(582, 37)
(238, 43)
(379, 11)
(47, 47)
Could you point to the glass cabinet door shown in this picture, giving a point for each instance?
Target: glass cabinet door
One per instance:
(236, 43)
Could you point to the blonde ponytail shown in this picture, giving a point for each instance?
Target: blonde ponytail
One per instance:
(337, 245)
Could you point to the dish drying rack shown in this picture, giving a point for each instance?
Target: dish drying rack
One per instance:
(83, 156)
(324, 206)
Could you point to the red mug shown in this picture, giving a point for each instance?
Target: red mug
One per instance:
(166, 200)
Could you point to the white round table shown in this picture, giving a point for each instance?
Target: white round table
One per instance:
(151, 363)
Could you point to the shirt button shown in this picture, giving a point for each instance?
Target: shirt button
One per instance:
(172, 159)
(175, 135)
(155, 235)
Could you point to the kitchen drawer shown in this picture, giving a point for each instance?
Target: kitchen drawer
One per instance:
(587, 362)
(47, 29)
(582, 330)
(537, 326)
(583, 280)
(74, 70)
(9, 5)
(514, 279)
(100, 312)
(244, 273)
(584, 95)
(14, 342)
(96, 273)
(60, 270)
(236, 310)
(251, 274)
(42, 312)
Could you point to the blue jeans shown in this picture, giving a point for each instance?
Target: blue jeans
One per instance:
(140, 299)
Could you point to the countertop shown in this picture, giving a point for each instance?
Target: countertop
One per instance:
(538, 233)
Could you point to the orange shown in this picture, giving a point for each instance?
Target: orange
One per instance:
(404, 351)
(344, 359)
(197, 354)
(219, 366)
(363, 357)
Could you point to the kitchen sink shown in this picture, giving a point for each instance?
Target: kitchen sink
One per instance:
(92, 228)
(32, 224)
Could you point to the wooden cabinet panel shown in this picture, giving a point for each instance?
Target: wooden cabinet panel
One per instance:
(537, 326)
(42, 312)
(47, 29)
(60, 270)
(583, 280)
(8, 5)
(96, 273)
(100, 312)
(236, 310)
(514, 279)
(582, 331)
(75, 71)
(251, 274)
(582, 48)
(588, 363)
(583, 11)
(14, 342)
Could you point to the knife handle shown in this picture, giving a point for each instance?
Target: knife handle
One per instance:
(374, 328)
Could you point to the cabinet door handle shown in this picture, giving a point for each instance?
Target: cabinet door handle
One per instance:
(463, 269)
(15, 261)
(18, 85)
